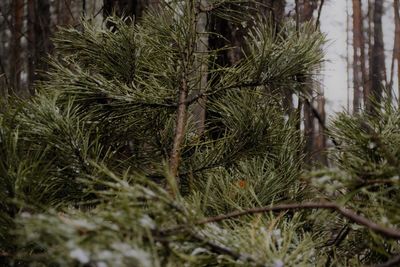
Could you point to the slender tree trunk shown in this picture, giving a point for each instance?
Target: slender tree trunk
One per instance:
(359, 71)
(348, 64)
(4, 50)
(181, 119)
(321, 137)
(65, 13)
(396, 48)
(31, 44)
(16, 51)
(42, 33)
(179, 130)
(306, 14)
(199, 109)
(377, 59)
(368, 86)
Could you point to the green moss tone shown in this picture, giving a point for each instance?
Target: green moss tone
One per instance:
(85, 165)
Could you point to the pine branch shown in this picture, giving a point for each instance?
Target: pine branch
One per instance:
(351, 215)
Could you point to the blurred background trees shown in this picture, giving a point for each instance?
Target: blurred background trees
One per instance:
(27, 26)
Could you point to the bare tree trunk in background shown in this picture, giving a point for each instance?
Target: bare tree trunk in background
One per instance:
(396, 49)
(359, 70)
(42, 32)
(377, 57)
(348, 63)
(321, 136)
(199, 109)
(307, 8)
(16, 51)
(83, 7)
(31, 44)
(370, 30)
(65, 14)
(4, 49)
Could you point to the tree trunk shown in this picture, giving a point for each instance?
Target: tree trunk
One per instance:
(307, 9)
(179, 131)
(42, 33)
(377, 59)
(188, 61)
(348, 63)
(65, 14)
(31, 44)
(4, 50)
(359, 71)
(199, 109)
(320, 142)
(396, 49)
(16, 60)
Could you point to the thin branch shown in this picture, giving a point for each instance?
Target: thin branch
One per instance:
(67, 5)
(351, 215)
(321, 122)
(319, 15)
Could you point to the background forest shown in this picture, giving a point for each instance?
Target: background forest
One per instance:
(193, 133)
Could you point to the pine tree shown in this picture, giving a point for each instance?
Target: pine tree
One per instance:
(105, 165)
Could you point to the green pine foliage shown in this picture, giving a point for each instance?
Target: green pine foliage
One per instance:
(84, 175)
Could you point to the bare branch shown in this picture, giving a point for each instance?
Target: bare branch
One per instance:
(319, 14)
(351, 215)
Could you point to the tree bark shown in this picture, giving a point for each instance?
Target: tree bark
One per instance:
(377, 59)
(396, 49)
(179, 131)
(320, 142)
(16, 60)
(359, 71)
(307, 9)
(199, 109)
(188, 61)
(31, 44)
(42, 33)
(4, 50)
